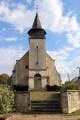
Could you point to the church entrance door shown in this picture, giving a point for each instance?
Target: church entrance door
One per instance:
(37, 82)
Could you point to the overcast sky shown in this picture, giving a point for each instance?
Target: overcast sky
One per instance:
(60, 19)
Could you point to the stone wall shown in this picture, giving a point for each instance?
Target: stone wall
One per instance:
(54, 76)
(22, 101)
(46, 69)
(21, 72)
(37, 54)
(43, 78)
(70, 101)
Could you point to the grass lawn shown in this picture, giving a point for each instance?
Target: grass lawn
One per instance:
(36, 96)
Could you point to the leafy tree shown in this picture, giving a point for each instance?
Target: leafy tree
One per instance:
(6, 99)
(4, 78)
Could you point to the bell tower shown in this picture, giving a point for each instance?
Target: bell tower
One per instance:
(37, 51)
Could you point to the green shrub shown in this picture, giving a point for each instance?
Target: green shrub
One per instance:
(20, 87)
(53, 88)
(70, 86)
(6, 99)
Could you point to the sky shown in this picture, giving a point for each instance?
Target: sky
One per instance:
(60, 19)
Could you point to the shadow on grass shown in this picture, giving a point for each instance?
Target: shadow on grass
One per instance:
(42, 96)
(55, 96)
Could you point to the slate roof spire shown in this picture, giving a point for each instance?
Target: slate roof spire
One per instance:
(36, 23)
(37, 31)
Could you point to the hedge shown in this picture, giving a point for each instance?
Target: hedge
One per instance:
(53, 88)
(20, 87)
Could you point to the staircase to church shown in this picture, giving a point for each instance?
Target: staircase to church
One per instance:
(45, 107)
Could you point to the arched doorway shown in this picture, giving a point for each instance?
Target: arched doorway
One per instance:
(37, 82)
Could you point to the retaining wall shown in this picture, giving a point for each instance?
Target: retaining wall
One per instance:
(70, 101)
(22, 101)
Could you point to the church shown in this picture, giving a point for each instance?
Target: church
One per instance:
(36, 68)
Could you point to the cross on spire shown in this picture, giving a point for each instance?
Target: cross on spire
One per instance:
(36, 7)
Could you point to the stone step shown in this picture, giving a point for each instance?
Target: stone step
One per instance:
(47, 110)
(45, 106)
(45, 102)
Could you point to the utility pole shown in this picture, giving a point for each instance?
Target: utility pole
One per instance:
(68, 77)
(78, 81)
(79, 71)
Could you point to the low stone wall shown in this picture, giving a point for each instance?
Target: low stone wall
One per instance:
(70, 101)
(22, 101)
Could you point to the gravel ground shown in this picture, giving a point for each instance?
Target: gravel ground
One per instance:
(43, 117)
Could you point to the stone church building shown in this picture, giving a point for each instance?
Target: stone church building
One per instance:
(36, 68)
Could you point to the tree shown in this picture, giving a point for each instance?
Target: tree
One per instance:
(4, 78)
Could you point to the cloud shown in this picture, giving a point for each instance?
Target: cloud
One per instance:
(52, 13)
(11, 39)
(68, 48)
(52, 18)
(74, 38)
(63, 66)
(55, 21)
(3, 29)
(59, 55)
(22, 18)
(29, 1)
(7, 58)
(19, 17)
(0, 38)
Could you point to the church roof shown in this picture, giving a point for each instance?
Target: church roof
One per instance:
(36, 23)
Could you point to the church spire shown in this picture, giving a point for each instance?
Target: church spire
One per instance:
(36, 23)
(37, 31)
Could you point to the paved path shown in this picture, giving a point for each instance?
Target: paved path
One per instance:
(43, 117)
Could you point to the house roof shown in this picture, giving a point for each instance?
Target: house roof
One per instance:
(74, 79)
